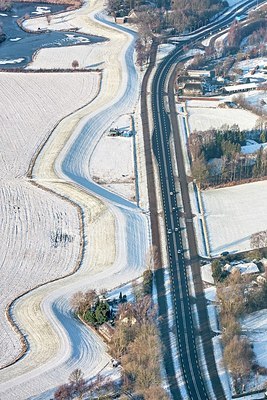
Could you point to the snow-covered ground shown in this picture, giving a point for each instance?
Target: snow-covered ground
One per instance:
(233, 214)
(116, 233)
(90, 57)
(252, 147)
(164, 49)
(257, 98)
(112, 163)
(247, 65)
(31, 217)
(207, 115)
(32, 105)
(255, 327)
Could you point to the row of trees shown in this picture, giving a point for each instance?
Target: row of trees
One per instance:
(136, 343)
(261, 124)
(238, 354)
(179, 14)
(237, 298)
(187, 14)
(224, 144)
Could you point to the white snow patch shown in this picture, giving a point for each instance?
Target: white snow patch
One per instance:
(16, 61)
(252, 147)
(255, 326)
(202, 119)
(206, 273)
(233, 214)
(40, 10)
(210, 293)
(223, 374)
(164, 50)
(112, 163)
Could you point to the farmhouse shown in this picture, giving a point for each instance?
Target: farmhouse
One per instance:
(201, 73)
(193, 89)
(183, 79)
(240, 88)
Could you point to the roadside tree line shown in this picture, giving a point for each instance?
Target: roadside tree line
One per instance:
(237, 298)
(224, 146)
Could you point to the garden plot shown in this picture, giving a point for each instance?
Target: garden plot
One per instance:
(112, 163)
(202, 118)
(233, 214)
(32, 105)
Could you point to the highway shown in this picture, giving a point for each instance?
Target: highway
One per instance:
(196, 385)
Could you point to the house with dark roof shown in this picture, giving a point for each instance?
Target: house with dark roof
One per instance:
(193, 89)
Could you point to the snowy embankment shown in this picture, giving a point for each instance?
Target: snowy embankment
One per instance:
(116, 234)
(31, 218)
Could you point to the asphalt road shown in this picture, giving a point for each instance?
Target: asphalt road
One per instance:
(185, 332)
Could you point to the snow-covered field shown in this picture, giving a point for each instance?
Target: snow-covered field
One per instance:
(116, 233)
(206, 116)
(32, 105)
(255, 326)
(233, 214)
(247, 65)
(112, 163)
(31, 220)
(90, 57)
(31, 217)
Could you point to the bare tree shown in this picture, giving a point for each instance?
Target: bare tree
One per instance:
(81, 302)
(48, 18)
(75, 64)
(64, 392)
(258, 240)
(77, 382)
(5, 5)
(238, 356)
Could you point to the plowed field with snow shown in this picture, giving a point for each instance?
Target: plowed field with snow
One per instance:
(233, 214)
(207, 116)
(40, 238)
(32, 104)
